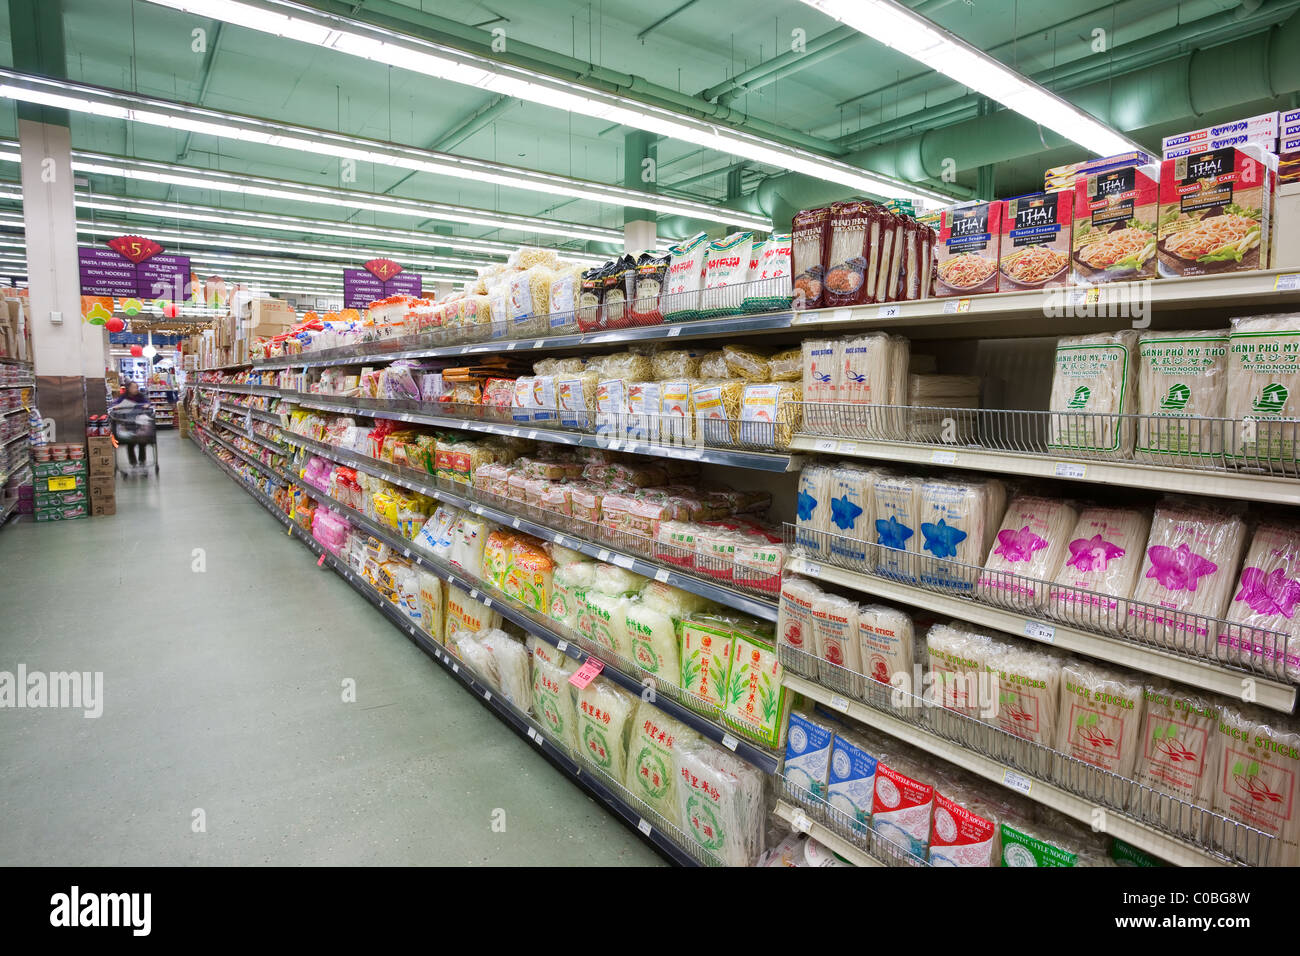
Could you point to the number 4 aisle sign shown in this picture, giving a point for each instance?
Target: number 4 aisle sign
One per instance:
(379, 279)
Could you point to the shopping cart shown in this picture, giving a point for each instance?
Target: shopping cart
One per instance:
(134, 424)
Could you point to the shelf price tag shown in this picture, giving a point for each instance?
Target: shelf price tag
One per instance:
(1287, 283)
(847, 448)
(890, 311)
(623, 561)
(842, 315)
(939, 457)
(839, 703)
(562, 646)
(532, 734)
(675, 331)
(602, 555)
(587, 673)
(511, 346)
(321, 561)
(812, 568)
(1040, 631)
(455, 668)
(1070, 469)
(1017, 781)
(662, 575)
(644, 826)
(729, 741)
(824, 444)
(799, 820)
(487, 695)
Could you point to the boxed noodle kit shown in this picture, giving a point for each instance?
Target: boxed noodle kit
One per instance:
(1035, 245)
(1215, 210)
(1115, 214)
(966, 253)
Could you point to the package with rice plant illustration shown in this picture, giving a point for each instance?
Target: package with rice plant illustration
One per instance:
(1182, 391)
(706, 656)
(653, 773)
(1094, 394)
(604, 719)
(757, 701)
(720, 804)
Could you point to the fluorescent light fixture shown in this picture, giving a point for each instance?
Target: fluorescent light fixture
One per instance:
(910, 33)
(364, 40)
(133, 107)
(190, 177)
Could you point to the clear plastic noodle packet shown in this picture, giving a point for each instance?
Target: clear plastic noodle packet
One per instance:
(1266, 631)
(1094, 393)
(1098, 575)
(1264, 386)
(1100, 719)
(1182, 390)
(1027, 552)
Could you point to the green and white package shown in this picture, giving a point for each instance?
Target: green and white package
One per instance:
(652, 767)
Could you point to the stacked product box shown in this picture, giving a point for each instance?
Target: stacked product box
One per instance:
(1288, 148)
(1063, 177)
(101, 463)
(1215, 212)
(1261, 131)
(1034, 251)
(1115, 220)
(62, 489)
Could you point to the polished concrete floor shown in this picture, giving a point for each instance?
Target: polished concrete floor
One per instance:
(224, 738)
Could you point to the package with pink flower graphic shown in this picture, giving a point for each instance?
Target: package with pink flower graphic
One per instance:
(1100, 568)
(1187, 574)
(1027, 552)
(1266, 604)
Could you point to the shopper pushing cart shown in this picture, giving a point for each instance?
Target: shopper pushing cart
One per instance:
(133, 426)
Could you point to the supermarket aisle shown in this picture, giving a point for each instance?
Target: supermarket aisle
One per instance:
(223, 650)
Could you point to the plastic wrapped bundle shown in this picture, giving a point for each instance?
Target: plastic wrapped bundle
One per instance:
(566, 288)
(706, 656)
(966, 823)
(652, 766)
(770, 269)
(480, 660)
(671, 364)
(822, 359)
(933, 399)
(1264, 385)
(603, 621)
(576, 398)
(813, 510)
(794, 624)
(1187, 575)
(851, 779)
(652, 638)
(865, 375)
(1100, 719)
(726, 272)
(1264, 602)
(615, 581)
(1030, 547)
(896, 514)
(885, 641)
(540, 650)
(717, 412)
(468, 539)
(809, 238)
(553, 703)
(851, 516)
(835, 636)
(463, 613)
(511, 664)
(1101, 568)
(680, 301)
(720, 804)
(1255, 782)
(770, 415)
(787, 365)
(756, 702)
(1094, 393)
(1029, 701)
(958, 658)
(431, 605)
(807, 758)
(759, 560)
(746, 363)
(954, 525)
(604, 720)
(902, 808)
(1181, 751)
(1182, 382)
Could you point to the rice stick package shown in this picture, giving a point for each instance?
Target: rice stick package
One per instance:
(966, 250)
(706, 656)
(835, 631)
(1181, 748)
(512, 667)
(854, 244)
(892, 230)
(653, 642)
(807, 757)
(1029, 549)
(812, 510)
(1035, 246)
(553, 703)
(604, 621)
(809, 234)
(604, 719)
(1101, 717)
(958, 669)
(954, 518)
(1263, 605)
(569, 585)
(1215, 213)
(1187, 574)
(1029, 699)
(652, 769)
(756, 702)
(1255, 782)
(432, 602)
(897, 514)
(1182, 389)
(1115, 213)
(726, 272)
(851, 786)
(463, 613)
(1101, 568)
(680, 301)
(885, 639)
(866, 370)
(794, 623)
(1094, 392)
(1264, 385)
(720, 804)
(851, 509)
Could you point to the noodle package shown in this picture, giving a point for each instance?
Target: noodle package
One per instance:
(1029, 549)
(680, 301)
(1182, 382)
(604, 719)
(1263, 606)
(652, 769)
(809, 233)
(1264, 385)
(1101, 716)
(1255, 782)
(956, 521)
(812, 510)
(1181, 749)
(822, 359)
(852, 505)
(1035, 248)
(835, 631)
(1094, 391)
(966, 249)
(885, 641)
(853, 253)
(1029, 700)
(1101, 568)
(1115, 216)
(726, 266)
(1215, 212)
(897, 520)
(794, 623)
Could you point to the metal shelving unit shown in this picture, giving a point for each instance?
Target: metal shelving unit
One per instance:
(236, 429)
(242, 389)
(261, 466)
(257, 413)
(619, 803)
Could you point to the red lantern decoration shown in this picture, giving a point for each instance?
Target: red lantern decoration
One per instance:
(115, 324)
(171, 310)
(137, 351)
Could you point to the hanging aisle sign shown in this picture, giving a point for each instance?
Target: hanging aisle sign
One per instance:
(133, 267)
(378, 279)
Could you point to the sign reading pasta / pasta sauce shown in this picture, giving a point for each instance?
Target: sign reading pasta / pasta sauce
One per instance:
(1035, 247)
(1115, 215)
(1215, 211)
(967, 249)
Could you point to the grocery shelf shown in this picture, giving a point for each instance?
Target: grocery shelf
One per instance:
(517, 721)
(31, 384)
(10, 441)
(765, 760)
(5, 360)
(1163, 845)
(269, 417)
(6, 475)
(377, 408)
(1207, 675)
(237, 429)
(12, 411)
(421, 346)
(223, 368)
(7, 509)
(799, 820)
(260, 465)
(271, 390)
(426, 484)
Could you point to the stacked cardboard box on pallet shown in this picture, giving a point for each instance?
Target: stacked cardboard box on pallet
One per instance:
(102, 465)
(62, 489)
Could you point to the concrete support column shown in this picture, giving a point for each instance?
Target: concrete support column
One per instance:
(639, 172)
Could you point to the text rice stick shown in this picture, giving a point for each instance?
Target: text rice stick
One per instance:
(652, 770)
(807, 757)
(1101, 715)
(1101, 568)
(822, 359)
(1264, 603)
(706, 657)
(794, 623)
(1094, 392)
(1182, 382)
(756, 701)
(835, 631)
(720, 804)
(1263, 386)
(1029, 699)
(1181, 750)
(1255, 782)
(604, 714)
(1029, 548)
(885, 639)
(865, 370)
(897, 507)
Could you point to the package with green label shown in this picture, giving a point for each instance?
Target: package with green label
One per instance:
(1263, 387)
(605, 621)
(1125, 854)
(604, 718)
(1182, 388)
(1255, 782)
(553, 702)
(1094, 393)
(653, 642)
(652, 771)
(756, 701)
(720, 803)
(1101, 713)
(568, 593)
(1033, 845)
(1181, 748)
(706, 656)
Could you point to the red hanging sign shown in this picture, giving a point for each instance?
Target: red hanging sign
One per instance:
(135, 248)
(382, 269)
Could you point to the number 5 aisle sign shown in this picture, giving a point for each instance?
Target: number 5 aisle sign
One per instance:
(379, 279)
(133, 267)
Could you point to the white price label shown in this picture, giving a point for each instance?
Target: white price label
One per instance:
(406, 552)
(538, 344)
(487, 602)
(487, 695)
(943, 457)
(839, 703)
(847, 447)
(812, 568)
(1017, 781)
(661, 575)
(615, 445)
(842, 315)
(799, 820)
(515, 522)
(532, 435)
(824, 444)
(1040, 632)
(1076, 296)
(623, 561)
(511, 346)
(644, 827)
(473, 594)
(949, 306)
(532, 734)
(729, 741)
(602, 555)
(888, 311)
(455, 668)
(1070, 469)
(562, 646)
(1287, 283)
(675, 331)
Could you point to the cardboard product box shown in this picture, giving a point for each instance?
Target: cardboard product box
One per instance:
(102, 487)
(57, 499)
(1215, 210)
(62, 514)
(1115, 224)
(1263, 126)
(47, 469)
(26, 506)
(966, 252)
(103, 507)
(270, 317)
(1267, 144)
(101, 466)
(1062, 177)
(57, 483)
(1034, 252)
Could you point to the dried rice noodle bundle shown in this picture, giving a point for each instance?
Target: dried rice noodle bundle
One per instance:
(1029, 701)
(852, 505)
(605, 622)
(1180, 754)
(812, 510)
(1263, 385)
(897, 523)
(1101, 568)
(1100, 721)
(794, 624)
(652, 767)
(604, 719)
(1187, 575)
(1094, 385)
(1264, 603)
(954, 524)
(480, 660)
(653, 641)
(1256, 779)
(885, 645)
(720, 804)
(957, 659)
(511, 666)
(822, 361)
(835, 633)
(1029, 548)
(569, 585)
(967, 822)
(1182, 381)
(553, 703)
(864, 379)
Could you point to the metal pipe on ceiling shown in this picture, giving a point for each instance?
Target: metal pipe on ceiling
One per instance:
(816, 50)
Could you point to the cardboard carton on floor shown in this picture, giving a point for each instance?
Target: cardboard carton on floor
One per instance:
(102, 487)
(47, 469)
(103, 507)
